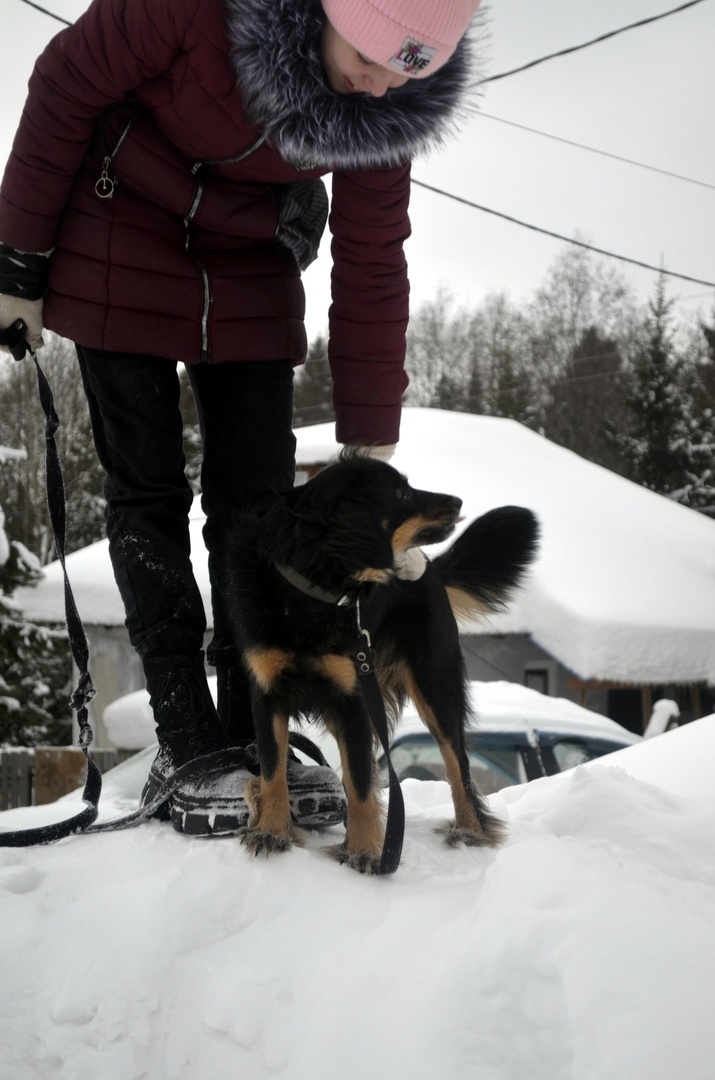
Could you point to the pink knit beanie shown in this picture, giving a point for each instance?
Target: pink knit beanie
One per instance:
(413, 37)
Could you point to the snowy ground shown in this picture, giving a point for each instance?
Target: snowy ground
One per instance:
(584, 949)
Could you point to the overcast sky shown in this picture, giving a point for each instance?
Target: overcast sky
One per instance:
(647, 95)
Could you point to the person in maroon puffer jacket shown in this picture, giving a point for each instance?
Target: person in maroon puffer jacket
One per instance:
(162, 196)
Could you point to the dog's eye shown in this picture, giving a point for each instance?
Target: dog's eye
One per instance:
(402, 493)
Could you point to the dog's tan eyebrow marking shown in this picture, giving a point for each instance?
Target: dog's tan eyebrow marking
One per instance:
(339, 669)
(372, 574)
(267, 665)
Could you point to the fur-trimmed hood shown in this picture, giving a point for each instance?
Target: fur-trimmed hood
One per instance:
(275, 50)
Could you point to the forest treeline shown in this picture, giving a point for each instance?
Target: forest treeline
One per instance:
(627, 387)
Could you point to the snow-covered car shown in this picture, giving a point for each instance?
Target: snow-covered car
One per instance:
(521, 735)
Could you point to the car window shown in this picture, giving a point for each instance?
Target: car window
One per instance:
(491, 770)
(572, 752)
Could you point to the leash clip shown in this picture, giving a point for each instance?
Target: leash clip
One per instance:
(362, 631)
(364, 656)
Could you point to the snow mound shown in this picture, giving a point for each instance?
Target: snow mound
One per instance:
(581, 950)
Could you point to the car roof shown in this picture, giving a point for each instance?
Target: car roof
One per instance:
(509, 707)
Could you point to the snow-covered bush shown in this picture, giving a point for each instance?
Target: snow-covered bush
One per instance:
(35, 667)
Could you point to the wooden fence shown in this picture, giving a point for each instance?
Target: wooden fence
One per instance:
(32, 777)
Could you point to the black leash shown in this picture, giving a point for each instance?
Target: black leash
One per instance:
(15, 337)
(364, 660)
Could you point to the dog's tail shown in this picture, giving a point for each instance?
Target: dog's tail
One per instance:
(486, 563)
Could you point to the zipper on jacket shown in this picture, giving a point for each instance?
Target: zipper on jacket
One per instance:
(107, 184)
(207, 298)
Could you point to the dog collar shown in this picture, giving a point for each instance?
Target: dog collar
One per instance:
(304, 585)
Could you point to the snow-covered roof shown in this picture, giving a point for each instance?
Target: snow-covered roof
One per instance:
(624, 586)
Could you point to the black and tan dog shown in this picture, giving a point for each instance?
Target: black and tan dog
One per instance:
(299, 574)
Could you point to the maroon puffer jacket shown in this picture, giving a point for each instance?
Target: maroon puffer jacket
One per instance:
(182, 261)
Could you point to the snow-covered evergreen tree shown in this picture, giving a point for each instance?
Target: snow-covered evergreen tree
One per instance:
(313, 394)
(35, 662)
(669, 443)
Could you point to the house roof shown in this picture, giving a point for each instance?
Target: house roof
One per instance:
(624, 585)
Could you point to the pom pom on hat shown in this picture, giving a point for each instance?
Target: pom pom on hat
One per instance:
(412, 37)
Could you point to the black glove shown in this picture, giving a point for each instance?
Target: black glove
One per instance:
(23, 280)
(22, 275)
(302, 214)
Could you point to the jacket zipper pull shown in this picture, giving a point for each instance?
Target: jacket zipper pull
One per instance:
(106, 184)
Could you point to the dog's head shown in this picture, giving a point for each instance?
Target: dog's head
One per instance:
(347, 524)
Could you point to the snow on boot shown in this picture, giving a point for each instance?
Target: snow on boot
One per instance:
(209, 797)
(315, 792)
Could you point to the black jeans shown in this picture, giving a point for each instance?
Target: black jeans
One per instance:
(245, 414)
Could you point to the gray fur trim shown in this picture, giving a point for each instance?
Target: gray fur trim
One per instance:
(275, 51)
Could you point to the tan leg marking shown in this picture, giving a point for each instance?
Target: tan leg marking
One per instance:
(268, 798)
(364, 830)
(339, 669)
(464, 812)
(267, 665)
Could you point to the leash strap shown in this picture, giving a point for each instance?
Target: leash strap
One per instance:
(364, 660)
(16, 336)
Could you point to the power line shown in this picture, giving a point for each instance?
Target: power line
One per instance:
(503, 75)
(594, 150)
(46, 12)
(565, 239)
(587, 44)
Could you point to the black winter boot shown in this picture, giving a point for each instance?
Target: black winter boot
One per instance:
(209, 797)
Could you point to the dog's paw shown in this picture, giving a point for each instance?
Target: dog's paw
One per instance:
(491, 837)
(362, 861)
(262, 842)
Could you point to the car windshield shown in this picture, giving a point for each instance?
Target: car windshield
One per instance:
(491, 769)
(572, 752)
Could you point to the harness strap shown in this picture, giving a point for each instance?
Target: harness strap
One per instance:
(304, 585)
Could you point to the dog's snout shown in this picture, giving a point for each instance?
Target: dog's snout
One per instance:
(448, 506)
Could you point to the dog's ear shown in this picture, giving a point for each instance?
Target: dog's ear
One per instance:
(280, 529)
(327, 534)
